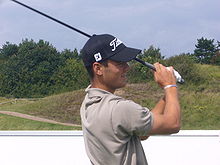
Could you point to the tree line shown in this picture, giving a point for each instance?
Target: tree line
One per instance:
(37, 69)
(33, 69)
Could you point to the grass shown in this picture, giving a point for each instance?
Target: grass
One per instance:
(200, 104)
(200, 110)
(63, 108)
(16, 123)
(4, 100)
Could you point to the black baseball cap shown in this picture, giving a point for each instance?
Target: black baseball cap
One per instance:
(105, 46)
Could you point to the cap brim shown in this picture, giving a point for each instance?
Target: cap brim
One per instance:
(126, 54)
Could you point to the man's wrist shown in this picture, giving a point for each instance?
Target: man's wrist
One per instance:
(170, 86)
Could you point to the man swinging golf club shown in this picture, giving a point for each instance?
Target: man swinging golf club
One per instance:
(113, 127)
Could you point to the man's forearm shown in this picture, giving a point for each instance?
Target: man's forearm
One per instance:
(172, 107)
(158, 109)
(160, 106)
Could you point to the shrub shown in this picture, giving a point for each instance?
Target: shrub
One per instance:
(186, 66)
(71, 76)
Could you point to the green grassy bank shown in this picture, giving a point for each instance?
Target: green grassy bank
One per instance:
(200, 104)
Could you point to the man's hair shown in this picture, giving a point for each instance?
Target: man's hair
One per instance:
(90, 68)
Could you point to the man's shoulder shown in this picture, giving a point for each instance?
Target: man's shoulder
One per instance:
(127, 104)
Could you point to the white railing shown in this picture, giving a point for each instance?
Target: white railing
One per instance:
(67, 148)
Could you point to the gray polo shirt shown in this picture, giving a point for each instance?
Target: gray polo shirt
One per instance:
(111, 128)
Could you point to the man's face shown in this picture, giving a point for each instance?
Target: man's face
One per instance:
(114, 74)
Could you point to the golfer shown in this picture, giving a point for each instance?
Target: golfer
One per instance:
(113, 127)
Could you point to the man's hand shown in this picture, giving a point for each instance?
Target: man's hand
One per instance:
(164, 76)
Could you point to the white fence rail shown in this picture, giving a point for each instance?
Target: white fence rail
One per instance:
(67, 148)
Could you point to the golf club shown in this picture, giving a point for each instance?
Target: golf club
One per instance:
(176, 74)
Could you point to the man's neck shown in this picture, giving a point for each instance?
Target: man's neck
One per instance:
(101, 86)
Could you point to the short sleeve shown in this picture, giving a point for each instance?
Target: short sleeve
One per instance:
(129, 118)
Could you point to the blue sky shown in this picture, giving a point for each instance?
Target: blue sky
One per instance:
(171, 25)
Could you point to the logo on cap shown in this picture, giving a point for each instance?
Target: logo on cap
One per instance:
(97, 57)
(115, 43)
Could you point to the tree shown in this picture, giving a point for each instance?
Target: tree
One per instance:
(205, 51)
(151, 54)
(8, 50)
(68, 54)
(37, 69)
(70, 76)
(216, 58)
(28, 73)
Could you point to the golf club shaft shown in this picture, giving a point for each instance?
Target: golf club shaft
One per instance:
(146, 64)
(54, 19)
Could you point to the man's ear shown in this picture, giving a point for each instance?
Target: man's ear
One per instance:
(97, 68)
